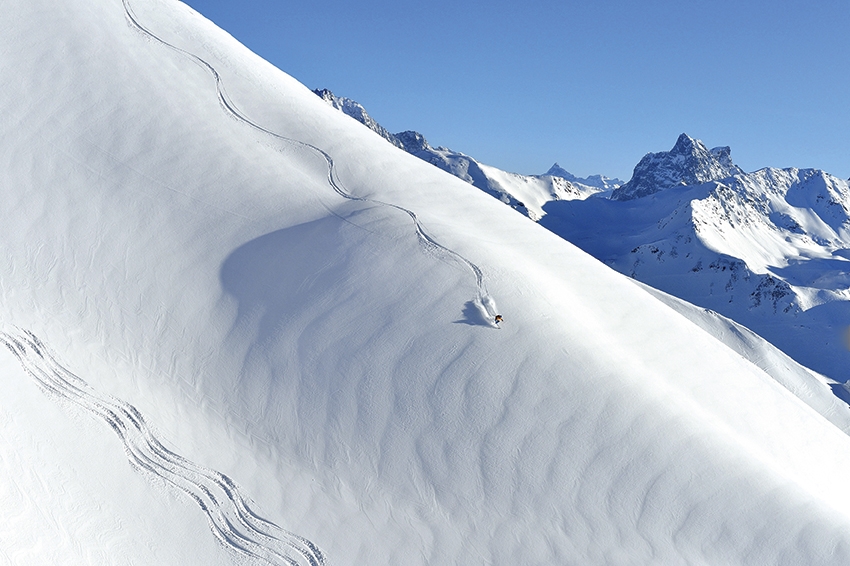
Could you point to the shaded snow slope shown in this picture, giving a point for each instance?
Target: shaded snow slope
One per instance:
(295, 304)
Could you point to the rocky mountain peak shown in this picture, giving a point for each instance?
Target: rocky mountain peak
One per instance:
(686, 145)
(412, 141)
(558, 171)
(688, 163)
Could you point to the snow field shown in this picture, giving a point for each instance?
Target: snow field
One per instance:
(316, 350)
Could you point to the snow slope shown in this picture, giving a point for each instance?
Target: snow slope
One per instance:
(292, 303)
(826, 396)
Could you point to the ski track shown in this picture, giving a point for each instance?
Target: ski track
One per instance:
(230, 516)
(333, 180)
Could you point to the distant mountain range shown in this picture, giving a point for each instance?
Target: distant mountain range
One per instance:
(525, 193)
(769, 249)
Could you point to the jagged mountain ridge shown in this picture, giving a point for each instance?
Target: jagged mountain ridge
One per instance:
(768, 249)
(525, 193)
(688, 163)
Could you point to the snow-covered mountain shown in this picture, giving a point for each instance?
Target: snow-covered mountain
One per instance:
(240, 328)
(524, 193)
(688, 163)
(768, 249)
(358, 112)
(601, 182)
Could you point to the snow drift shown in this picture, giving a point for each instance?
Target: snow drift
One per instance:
(292, 303)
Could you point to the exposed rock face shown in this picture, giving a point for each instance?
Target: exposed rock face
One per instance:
(688, 163)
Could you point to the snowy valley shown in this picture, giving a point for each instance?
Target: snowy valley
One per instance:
(240, 328)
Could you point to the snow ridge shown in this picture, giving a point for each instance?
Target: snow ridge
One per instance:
(231, 518)
(483, 300)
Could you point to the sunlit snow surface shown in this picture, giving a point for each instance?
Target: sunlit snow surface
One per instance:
(229, 513)
(294, 304)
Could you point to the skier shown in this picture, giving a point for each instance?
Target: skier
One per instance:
(498, 319)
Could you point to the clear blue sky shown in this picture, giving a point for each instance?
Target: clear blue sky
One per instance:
(593, 85)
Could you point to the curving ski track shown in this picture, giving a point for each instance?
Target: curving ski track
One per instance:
(231, 518)
(333, 180)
